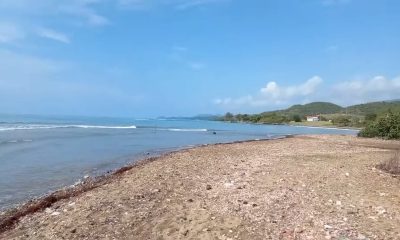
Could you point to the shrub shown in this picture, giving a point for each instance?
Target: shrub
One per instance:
(391, 165)
(296, 118)
(342, 121)
(371, 117)
(387, 127)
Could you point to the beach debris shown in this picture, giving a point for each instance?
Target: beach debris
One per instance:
(208, 187)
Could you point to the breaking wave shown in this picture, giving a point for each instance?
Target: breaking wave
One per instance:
(37, 126)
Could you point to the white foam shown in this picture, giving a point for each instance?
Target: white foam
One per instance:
(38, 126)
(185, 129)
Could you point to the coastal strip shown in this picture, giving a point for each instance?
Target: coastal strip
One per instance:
(11, 216)
(302, 187)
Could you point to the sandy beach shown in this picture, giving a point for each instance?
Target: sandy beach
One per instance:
(303, 187)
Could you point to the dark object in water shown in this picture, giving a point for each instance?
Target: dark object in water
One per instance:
(214, 133)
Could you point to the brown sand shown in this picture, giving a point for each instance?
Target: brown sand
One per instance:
(306, 187)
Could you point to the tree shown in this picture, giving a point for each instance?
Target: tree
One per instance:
(387, 127)
(296, 118)
(229, 116)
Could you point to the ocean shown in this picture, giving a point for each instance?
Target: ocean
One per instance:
(39, 155)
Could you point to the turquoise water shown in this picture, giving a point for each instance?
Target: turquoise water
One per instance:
(42, 154)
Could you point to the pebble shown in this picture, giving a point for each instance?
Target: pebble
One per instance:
(326, 226)
(208, 187)
(55, 213)
(361, 237)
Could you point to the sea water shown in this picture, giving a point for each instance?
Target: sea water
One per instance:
(41, 154)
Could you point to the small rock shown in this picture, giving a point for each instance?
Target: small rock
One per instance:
(380, 210)
(347, 174)
(245, 202)
(361, 237)
(190, 200)
(326, 226)
(208, 187)
(73, 230)
(55, 213)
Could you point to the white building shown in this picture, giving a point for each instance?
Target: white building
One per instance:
(313, 118)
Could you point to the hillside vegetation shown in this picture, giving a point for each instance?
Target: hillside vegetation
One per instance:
(330, 114)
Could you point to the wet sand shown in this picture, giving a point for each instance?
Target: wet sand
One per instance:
(305, 187)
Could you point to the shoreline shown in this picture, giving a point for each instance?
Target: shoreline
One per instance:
(11, 216)
(294, 125)
(244, 190)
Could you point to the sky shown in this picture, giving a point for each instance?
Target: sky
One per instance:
(149, 58)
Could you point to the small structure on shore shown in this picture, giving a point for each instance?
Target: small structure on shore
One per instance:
(313, 118)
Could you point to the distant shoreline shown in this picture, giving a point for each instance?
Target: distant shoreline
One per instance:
(297, 125)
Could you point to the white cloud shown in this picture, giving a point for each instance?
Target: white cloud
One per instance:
(86, 10)
(279, 94)
(177, 4)
(10, 32)
(358, 91)
(183, 56)
(273, 94)
(197, 65)
(195, 3)
(53, 35)
(375, 89)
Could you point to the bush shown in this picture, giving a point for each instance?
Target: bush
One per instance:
(387, 127)
(341, 121)
(392, 165)
(296, 118)
(371, 117)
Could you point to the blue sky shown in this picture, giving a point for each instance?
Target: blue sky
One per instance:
(146, 58)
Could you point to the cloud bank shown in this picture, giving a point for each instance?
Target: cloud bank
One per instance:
(273, 95)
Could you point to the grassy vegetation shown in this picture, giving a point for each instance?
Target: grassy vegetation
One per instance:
(391, 165)
(313, 124)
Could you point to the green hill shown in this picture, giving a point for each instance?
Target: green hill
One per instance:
(373, 108)
(331, 114)
(312, 108)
